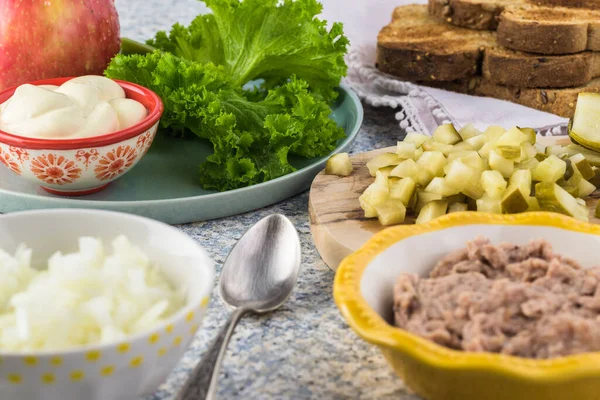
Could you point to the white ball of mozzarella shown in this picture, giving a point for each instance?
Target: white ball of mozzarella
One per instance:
(110, 89)
(129, 112)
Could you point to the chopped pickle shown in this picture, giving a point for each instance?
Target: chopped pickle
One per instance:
(406, 169)
(459, 155)
(585, 126)
(462, 146)
(541, 157)
(423, 177)
(585, 188)
(493, 183)
(521, 179)
(457, 207)
(596, 179)
(476, 142)
(373, 196)
(509, 152)
(553, 198)
(432, 162)
(473, 190)
(438, 185)
(493, 132)
(406, 150)
(339, 164)
(530, 134)
(533, 204)
(458, 175)
(387, 171)
(550, 170)
(424, 198)
(485, 150)
(443, 148)
(512, 137)
(456, 198)
(528, 151)
(412, 203)
(446, 134)
(472, 203)
(556, 150)
(491, 205)
(403, 190)
(501, 164)
(383, 160)
(529, 164)
(417, 138)
(474, 161)
(571, 186)
(390, 212)
(431, 211)
(591, 156)
(381, 180)
(468, 131)
(515, 200)
(569, 171)
(583, 166)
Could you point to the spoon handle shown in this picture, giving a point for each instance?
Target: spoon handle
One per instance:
(203, 382)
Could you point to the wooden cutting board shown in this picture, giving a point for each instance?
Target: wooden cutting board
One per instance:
(337, 222)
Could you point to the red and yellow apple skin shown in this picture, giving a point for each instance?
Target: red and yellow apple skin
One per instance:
(42, 39)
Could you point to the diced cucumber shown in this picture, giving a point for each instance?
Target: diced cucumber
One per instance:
(424, 198)
(443, 148)
(493, 183)
(468, 131)
(553, 198)
(432, 162)
(458, 175)
(438, 185)
(339, 164)
(446, 134)
(403, 190)
(579, 162)
(488, 204)
(493, 132)
(390, 212)
(512, 137)
(417, 138)
(515, 200)
(501, 164)
(406, 169)
(476, 142)
(528, 151)
(457, 207)
(585, 188)
(383, 160)
(530, 134)
(432, 211)
(509, 152)
(550, 170)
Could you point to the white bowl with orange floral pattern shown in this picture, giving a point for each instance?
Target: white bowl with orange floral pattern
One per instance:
(75, 167)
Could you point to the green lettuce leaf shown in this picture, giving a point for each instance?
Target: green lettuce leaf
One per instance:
(251, 138)
(263, 39)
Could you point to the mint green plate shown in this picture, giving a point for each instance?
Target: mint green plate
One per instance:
(164, 184)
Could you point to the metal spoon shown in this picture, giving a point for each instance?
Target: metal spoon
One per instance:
(258, 276)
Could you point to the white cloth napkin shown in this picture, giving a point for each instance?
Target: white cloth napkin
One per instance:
(422, 108)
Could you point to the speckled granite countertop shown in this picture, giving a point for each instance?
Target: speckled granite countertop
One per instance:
(305, 350)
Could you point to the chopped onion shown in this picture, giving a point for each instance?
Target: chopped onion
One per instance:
(87, 297)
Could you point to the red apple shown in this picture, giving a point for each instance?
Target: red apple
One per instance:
(42, 39)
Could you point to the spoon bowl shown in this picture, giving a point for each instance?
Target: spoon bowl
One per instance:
(262, 269)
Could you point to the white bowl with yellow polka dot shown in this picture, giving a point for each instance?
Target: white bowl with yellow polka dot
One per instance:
(117, 371)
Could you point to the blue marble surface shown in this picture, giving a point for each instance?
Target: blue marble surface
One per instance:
(304, 350)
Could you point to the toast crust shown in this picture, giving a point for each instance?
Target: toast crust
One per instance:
(536, 26)
(561, 102)
(417, 47)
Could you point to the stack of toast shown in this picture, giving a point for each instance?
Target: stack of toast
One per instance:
(538, 53)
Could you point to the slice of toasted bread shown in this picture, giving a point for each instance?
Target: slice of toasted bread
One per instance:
(526, 25)
(416, 46)
(556, 101)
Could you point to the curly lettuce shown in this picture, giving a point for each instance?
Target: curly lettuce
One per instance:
(201, 72)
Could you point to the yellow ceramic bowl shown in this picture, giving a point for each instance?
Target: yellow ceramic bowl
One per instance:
(363, 291)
